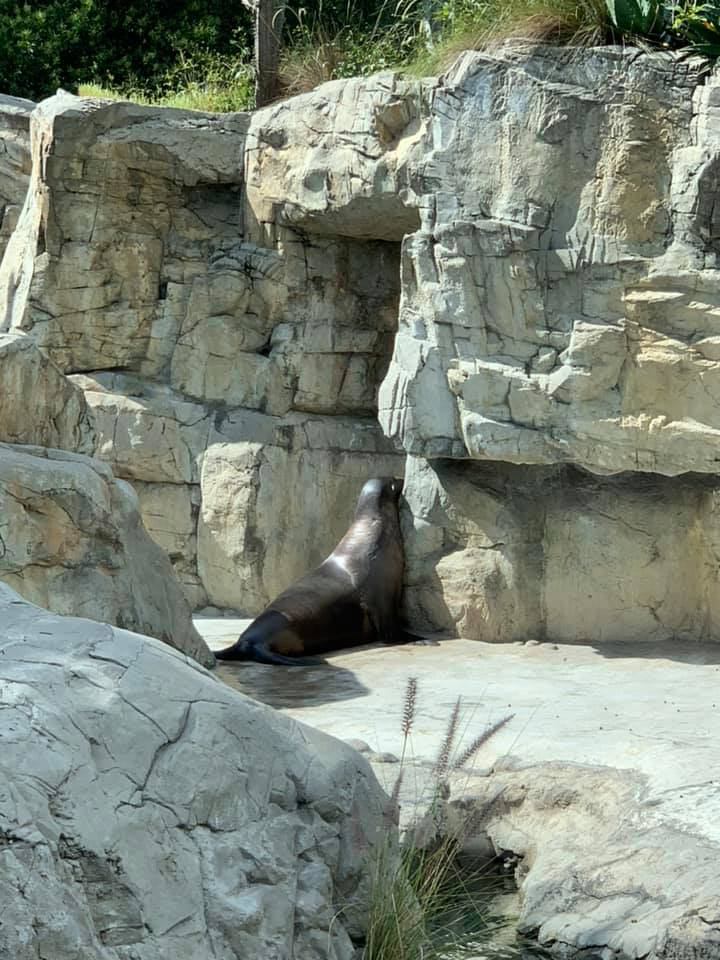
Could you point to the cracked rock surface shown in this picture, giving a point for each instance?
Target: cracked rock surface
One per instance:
(14, 162)
(148, 812)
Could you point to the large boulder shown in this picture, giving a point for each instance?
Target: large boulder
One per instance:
(38, 403)
(147, 811)
(559, 301)
(72, 540)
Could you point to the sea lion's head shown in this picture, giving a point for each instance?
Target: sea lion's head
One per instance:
(379, 492)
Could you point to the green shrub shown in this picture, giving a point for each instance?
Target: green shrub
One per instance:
(125, 46)
(642, 18)
(697, 25)
(415, 894)
(211, 84)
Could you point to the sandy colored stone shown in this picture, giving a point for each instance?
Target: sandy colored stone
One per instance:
(344, 172)
(169, 514)
(38, 404)
(498, 552)
(124, 207)
(558, 301)
(154, 438)
(15, 162)
(72, 540)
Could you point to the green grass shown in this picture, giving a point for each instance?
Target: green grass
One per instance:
(479, 24)
(422, 899)
(208, 83)
(326, 47)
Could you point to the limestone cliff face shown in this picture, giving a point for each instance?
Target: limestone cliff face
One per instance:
(507, 277)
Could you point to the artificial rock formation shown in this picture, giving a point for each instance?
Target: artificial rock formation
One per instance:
(197, 347)
(71, 536)
(512, 265)
(148, 811)
(38, 404)
(71, 539)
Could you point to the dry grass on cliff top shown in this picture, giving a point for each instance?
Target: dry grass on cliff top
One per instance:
(482, 25)
(322, 51)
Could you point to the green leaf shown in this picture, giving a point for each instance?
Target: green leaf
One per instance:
(629, 17)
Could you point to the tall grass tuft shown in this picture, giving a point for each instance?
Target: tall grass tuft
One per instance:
(414, 888)
(481, 24)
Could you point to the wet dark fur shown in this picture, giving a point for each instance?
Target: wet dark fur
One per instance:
(352, 598)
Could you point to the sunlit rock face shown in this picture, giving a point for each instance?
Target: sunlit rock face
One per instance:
(514, 265)
(559, 302)
(72, 540)
(186, 331)
(14, 162)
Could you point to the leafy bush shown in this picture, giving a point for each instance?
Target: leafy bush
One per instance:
(196, 53)
(128, 46)
(334, 41)
(209, 83)
(697, 25)
(642, 18)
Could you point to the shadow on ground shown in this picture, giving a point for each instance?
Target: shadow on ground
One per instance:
(293, 687)
(698, 654)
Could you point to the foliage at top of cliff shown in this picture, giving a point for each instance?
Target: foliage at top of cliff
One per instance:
(48, 44)
(196, 53)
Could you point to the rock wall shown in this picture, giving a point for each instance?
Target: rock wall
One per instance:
(206, 359)
(137, 824)
(71, 535)
(512, 266)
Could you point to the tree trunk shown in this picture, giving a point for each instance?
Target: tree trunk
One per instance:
(269, 18)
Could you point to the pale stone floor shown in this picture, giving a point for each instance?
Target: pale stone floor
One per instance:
(651, 712)
(649, 709)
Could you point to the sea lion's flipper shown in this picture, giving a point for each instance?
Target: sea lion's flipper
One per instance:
(262, 636)
(236, 652)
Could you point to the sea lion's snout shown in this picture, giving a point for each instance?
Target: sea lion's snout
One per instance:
(379, 490)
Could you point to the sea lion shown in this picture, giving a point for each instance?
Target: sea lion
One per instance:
(352, 598)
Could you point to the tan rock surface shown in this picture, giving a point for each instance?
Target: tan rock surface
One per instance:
(71, 539)
(15, 162)
(38, 404)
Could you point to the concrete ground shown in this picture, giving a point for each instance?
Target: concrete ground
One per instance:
(608, 771)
